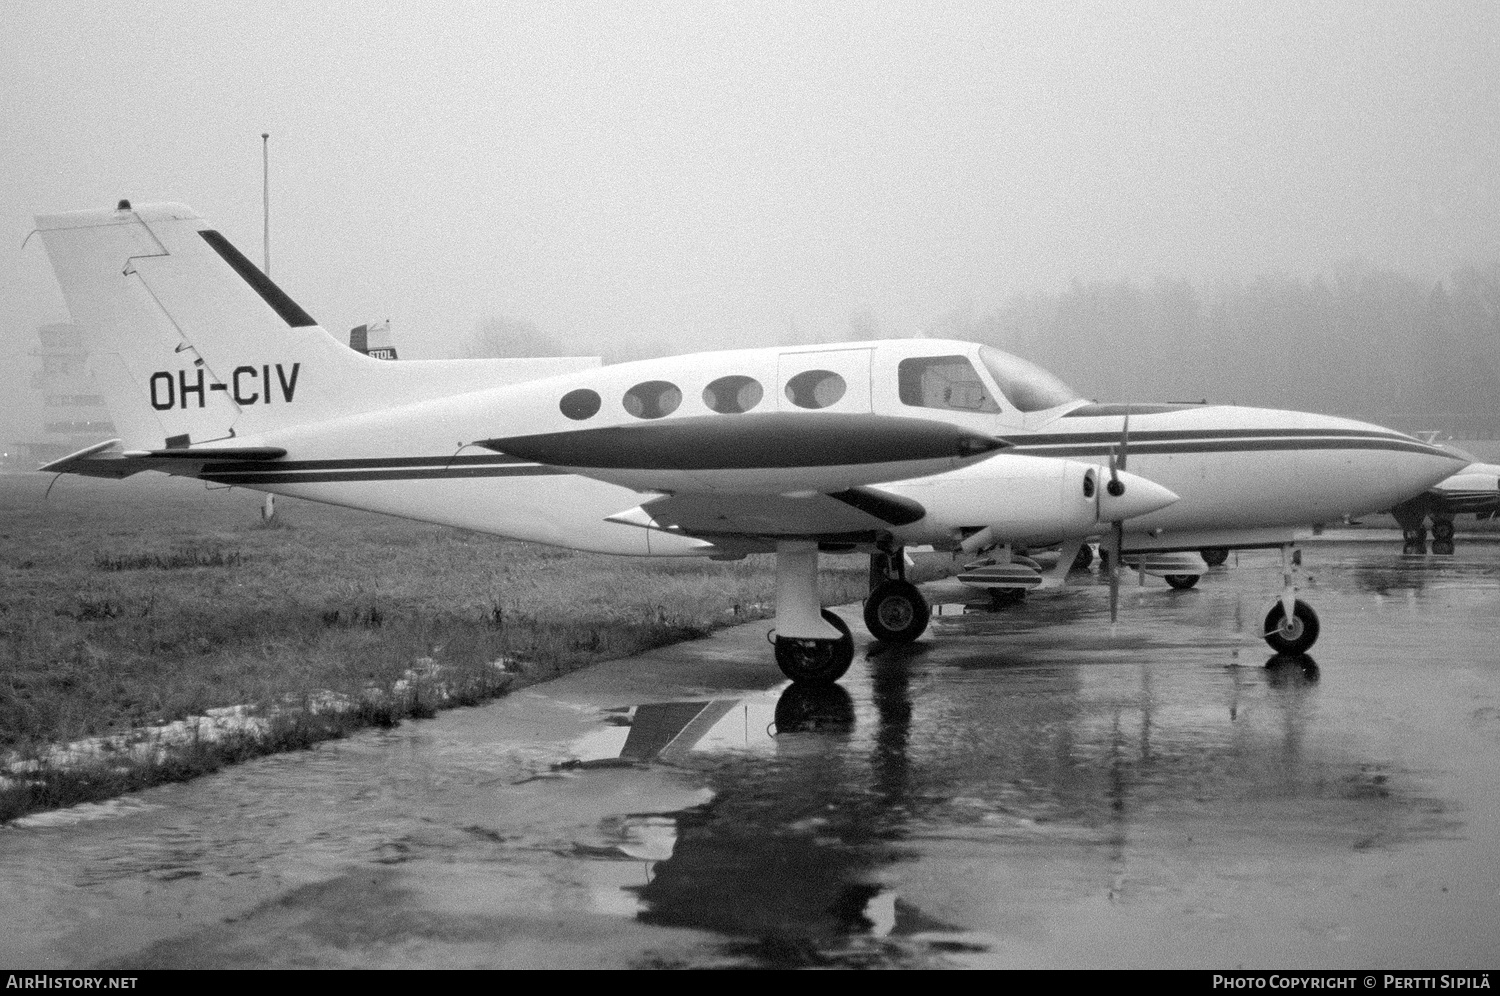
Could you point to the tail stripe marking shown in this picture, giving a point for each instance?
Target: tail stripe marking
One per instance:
(289, 310)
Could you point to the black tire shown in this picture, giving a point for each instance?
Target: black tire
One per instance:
(817, 662)
(1291, 670)
(1214, 556)
(1442, 529)
(1182, 582)
(1304, 632)
(896, 612)
(1084, 558)
(808, 708)
(1442, 546)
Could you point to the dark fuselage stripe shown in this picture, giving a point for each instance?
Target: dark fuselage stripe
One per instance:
(366, 463)
(1186, 435)
(252, 477)
(1053, 445)
(1225, 446)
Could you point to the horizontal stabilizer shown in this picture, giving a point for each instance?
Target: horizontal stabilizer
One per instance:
(106, 460)
(254, 454)
(62, 465)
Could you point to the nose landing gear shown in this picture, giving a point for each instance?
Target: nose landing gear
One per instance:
(1291, 625)
(1294, 634)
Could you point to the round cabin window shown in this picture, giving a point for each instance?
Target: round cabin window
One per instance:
(580, 404)
(733, 395)
(815, 389)
(653, 399)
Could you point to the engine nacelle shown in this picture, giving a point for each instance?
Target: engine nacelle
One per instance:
(1028, 499)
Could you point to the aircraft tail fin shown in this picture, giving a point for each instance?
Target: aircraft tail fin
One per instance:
(190, 342)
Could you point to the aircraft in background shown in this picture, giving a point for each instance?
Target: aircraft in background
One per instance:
(212, 371)
(1473, 490)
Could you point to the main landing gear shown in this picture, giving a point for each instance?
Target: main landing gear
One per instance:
(816, 661)
(1291, 626)
(1412, 517)
(895, 612)
(813, 645)
(1442, 534)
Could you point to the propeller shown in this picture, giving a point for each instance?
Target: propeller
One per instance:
(1116, 487)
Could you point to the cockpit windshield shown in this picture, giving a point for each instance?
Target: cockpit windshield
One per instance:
(1027, 386)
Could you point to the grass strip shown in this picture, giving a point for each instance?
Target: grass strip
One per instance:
(128, 606)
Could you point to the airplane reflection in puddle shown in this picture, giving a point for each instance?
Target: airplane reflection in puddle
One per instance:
(664, 730)
(814, 802)
(815, 830)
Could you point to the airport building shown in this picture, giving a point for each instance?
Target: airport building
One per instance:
(53, 408)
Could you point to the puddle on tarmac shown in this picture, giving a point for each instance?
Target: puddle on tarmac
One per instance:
(1095, 747)
(934, 808)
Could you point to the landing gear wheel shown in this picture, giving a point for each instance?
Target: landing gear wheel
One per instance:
(1442, 546)
(1084, 558)
(896, 612)
(817, 662)
(1214, 556)
(1296, 636)
(1182, 582)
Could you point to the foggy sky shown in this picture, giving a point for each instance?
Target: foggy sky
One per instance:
(705, 176)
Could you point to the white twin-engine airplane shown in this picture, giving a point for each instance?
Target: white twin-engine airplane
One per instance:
(213, 372)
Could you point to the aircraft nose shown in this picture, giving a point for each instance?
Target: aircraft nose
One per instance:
(1139, 497)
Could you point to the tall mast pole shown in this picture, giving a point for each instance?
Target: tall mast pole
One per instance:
(265, 197)
(268, 510)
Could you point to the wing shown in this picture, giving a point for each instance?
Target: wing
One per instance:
(854, 515)
(746, 481)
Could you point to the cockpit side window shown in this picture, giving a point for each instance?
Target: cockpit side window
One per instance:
(1024, 384)
(948, 382)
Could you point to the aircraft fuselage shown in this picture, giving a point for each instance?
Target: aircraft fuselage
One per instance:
(552, 459)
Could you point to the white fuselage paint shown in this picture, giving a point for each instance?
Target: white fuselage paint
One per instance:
(1257, 472)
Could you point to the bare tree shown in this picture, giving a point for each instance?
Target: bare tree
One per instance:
(509, 337)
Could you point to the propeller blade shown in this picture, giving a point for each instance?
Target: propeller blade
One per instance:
(1118, 543)
(1117, 456)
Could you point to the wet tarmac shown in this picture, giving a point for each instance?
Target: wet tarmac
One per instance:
(1032, 787)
